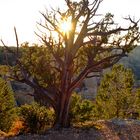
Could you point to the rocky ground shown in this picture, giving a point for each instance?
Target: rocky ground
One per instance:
(103, 130)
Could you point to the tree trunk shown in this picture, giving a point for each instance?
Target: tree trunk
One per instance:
(61, 108)
(40, 98)
(62, 115)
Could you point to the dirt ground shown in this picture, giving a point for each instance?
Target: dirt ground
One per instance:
(104, 130)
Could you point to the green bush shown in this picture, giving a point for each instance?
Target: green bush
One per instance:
(115, 98)
(81, 110)
(36, 118)
(7, 106)
(136, 109)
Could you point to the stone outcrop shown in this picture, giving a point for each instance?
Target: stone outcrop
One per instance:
(23, 93)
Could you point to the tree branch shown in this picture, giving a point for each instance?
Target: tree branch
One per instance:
(97, 66)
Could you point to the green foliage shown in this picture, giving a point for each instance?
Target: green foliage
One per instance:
(7, 106)
(36, 118)
(137, 103)
(81, 110)
(4, 70)
(38, 61)
(115, 97)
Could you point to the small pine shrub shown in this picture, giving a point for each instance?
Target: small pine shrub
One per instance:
(7, 106)
(136, 110)
(81, 110)
(115, 97)
(36, 118)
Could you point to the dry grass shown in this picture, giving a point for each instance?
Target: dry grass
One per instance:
(88, 125)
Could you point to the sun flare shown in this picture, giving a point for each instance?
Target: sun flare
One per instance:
(65, 26)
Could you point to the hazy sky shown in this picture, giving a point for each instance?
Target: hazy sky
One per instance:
(25, 13)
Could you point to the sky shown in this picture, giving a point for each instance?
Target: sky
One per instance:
(24, 15)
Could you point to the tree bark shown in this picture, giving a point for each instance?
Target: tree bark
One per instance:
(62, 112)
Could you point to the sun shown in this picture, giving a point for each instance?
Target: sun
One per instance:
(65, 26)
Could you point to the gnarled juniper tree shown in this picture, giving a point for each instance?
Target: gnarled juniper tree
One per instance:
(66, 58)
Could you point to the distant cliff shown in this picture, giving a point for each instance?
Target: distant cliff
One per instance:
(133, 62)
(5, 55)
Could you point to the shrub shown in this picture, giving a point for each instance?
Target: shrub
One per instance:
(36, 118)
(135, 113)
(81, 110)
(17, 128)
(115, 98)
(7, 106)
